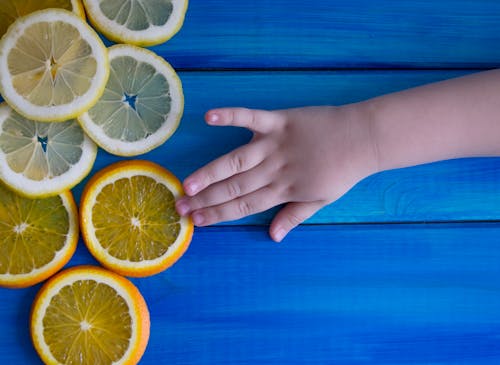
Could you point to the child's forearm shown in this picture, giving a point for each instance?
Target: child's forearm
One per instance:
(307, 158)
(449, 119)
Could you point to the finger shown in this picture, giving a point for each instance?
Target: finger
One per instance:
(229, 189)
(291, 216)
(260, 121)
(241, 159)
(252, 203)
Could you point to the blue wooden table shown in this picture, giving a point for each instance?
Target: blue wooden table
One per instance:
(404, 269)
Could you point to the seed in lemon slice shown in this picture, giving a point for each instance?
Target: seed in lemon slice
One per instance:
(13, 9)
(141, 106)
(39, 159)
(53, 66)
(128, 218)
(139, 22)
(88, 315)
(37, 237)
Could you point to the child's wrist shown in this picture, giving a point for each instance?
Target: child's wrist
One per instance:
(365, 139)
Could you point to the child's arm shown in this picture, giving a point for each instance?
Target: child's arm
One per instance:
(449, 119)
(309, 157)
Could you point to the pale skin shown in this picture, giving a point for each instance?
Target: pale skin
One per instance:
(306, 158)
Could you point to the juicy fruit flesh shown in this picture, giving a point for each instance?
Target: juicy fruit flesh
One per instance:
(87, 322)
(40, 150)
(135, 219)
(13, 9)
(132, 108)
(31, 231)
(137, 14)
(57, 64)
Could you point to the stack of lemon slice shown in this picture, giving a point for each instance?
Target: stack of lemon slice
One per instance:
(66, 94)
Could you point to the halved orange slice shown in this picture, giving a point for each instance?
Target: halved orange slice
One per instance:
(37, 237)
(89, 315)
(128, 218)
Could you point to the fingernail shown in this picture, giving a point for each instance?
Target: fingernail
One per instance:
(182, 207)
(198, 219)
(192, 188)
(212, 118)
(279, 234)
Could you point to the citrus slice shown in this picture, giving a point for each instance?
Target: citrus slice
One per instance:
(37, 237)
(13, 9)
(53, 66)
(139, 22)
(128, 218)
(88, 315)
(141, 106)
(42, 159)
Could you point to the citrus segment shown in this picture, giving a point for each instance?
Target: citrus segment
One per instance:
(53, 66)
(14, 9)
(139, 22)
(141, 106)
(42, 159)
(129, 221)
(37, 237)
(88, 315)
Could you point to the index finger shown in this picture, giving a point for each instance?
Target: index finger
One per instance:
(260, 121)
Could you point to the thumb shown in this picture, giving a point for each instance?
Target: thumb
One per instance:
(291, 216)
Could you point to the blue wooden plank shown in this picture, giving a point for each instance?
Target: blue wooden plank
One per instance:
(338, 33)
(346, 294)
(445, 191)
(452, 190)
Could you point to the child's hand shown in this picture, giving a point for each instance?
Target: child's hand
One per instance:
(307, 158)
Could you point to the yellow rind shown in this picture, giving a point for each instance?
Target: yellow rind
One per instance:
(113, 36)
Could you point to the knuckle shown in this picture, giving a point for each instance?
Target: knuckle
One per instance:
(236, 162)
(244, 208)
(252, 119)
(197, 202)
(231, 114)
(209, 177)
(210, 215)
(293, 219)
(233, 189)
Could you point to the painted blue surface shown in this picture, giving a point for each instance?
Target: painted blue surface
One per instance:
(445, 191)
(346, 294)
(338, 33)
(338, 291)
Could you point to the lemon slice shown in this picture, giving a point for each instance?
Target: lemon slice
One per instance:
(42, 159)
(141, 106)
(13, 9)
(128, 218)
(88, 315)
(139, 22)
(53, 66)
(37, 237)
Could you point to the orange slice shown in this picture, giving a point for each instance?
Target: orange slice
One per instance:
(88, 315)
(37, 237)
(128, 218)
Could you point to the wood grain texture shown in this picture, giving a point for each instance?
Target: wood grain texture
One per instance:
(355, 294)
(391, 294)
(337, 34)
(451, 190)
